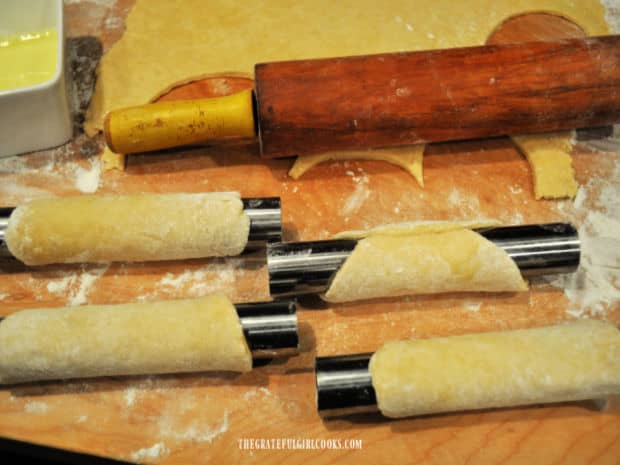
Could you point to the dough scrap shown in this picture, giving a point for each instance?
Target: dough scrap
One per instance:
(549, 158)
(430, 260)
(280, 30)
(113, 161)
(138, 227)
(130, 339)
(416, 227)
(408, 157)
(573, 361)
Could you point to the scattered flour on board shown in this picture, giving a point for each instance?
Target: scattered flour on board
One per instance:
(463, 205)
(87, 180)
(199, 282)
(36, 407)
(472, 306)
(130, 396)
(595, 287)
(150, 453)
(196, 433)
(360, 194)
(32, 176)
(82, 419)
(252, 393)
(77, 285)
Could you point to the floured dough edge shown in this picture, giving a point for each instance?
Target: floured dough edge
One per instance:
(416, 227)
(408, 157)
(423, 259)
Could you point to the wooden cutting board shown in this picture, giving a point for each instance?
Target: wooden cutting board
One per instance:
(200, 418)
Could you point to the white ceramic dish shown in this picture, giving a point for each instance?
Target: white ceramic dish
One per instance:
(38, 116)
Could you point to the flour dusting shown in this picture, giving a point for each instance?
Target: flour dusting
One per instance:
(463, 205)
(151, 453)
(87, 180)
(360, 194)
(77, 286)
(256, 392)
(472, 306)
(595, 287)
(196, 432)
(42, 174)
(60, 286)
(213, 277)
(85, 284)
(130, 396)
(36, 407)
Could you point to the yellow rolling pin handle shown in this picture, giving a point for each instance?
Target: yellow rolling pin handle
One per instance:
(176, 123)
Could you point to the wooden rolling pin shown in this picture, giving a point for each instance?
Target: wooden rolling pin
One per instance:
(309, 106)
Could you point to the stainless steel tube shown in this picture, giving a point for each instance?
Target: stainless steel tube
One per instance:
(4, 221)
(344, 385)
(265, 215)
(308, 267)
(270, 328)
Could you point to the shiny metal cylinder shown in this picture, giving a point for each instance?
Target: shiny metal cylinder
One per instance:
(344, 385)
(308, 267)
(539, 248)
(299, 268)
(270, 328)
(265, 215)
(4, 221)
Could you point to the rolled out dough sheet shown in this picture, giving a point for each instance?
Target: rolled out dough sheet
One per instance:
(572, 361)
(139, 227)
(240, 36)
(423, 259)
(130, 339)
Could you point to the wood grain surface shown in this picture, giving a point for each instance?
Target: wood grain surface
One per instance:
(437, 95)
(200, 418)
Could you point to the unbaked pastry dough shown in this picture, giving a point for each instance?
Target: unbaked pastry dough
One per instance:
(423, 259)
(416, 227)
(408, 157)
(166, 44)
(573, 361)
(550, 161)
(138, 227)
(130, 339)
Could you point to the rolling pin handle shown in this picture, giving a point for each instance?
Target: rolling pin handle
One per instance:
(164, 125)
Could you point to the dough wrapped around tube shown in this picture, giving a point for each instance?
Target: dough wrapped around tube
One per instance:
(574, 361)
(138, 227)
(422, 259)
(130, 339)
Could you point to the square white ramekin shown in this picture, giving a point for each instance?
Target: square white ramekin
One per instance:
(34, 117)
